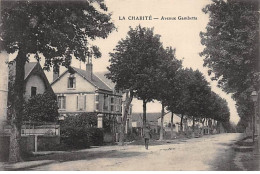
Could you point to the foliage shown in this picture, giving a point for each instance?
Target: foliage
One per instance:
(80, 131)
(165, 74)
(132, 67)
(41, 108)
(55, 30)
(190, 95)
(133, 62)
(231, 51)
(177, 100)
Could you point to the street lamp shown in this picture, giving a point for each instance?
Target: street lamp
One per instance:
(254, 97)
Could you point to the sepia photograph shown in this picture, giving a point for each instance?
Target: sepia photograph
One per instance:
(129, 85)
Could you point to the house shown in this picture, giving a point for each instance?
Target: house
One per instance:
(167, 122)
(81, 91)
(35, 79)
(35, 82)
(136, 121)
(107, 81)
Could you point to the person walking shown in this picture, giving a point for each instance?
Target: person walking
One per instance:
(147, 136)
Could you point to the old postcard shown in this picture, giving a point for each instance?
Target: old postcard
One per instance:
(129, 85)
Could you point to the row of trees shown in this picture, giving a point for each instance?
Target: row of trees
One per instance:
(232, 50)
(142, 67)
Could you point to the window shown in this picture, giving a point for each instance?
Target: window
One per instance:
(97, 97)
(117, 108)
(81, 102)
(97, 106)
(112, 108)
(105, 106)
(72, 82)
(112, 99)
(33, 91)
(62, 102)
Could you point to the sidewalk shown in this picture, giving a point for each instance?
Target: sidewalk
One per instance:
(24, 165)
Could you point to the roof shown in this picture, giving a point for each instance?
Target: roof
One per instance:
(150, 117)
(96, 81)
(31, 68)
(102, 76)
(28, 68)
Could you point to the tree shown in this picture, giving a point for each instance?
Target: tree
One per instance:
(55, 30)
(178, 98)
(231, 51)
(132, 67)
(164, 77)
(41, 108)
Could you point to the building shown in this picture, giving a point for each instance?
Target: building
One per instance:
(81, 91)
(35, 80)
(136, 121)
(108, 82)
(167, 122)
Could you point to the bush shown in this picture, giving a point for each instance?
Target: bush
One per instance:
(80, 131)
(41, 108)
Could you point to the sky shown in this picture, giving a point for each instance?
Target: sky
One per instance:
(180, 34)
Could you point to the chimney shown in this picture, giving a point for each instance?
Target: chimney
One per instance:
(89, 66)
(56, 72)
(89, 69)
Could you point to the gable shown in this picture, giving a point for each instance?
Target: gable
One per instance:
(82, 85)
(95, 81)
(32, 69)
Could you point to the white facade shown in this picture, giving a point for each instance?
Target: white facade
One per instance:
(84, 96)
(34, 81)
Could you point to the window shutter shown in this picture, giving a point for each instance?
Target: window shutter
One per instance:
(85, 101)
(64, 102)
(59, 102)
(77, 102)
(74, 82)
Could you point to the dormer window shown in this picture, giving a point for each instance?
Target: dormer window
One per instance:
(72, 82)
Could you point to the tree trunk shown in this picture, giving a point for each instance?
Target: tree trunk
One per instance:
(144, 116)
(193, 124)
(17, 108)
(128, 101)
(181, 122)
(203, 121)
(172, 126)
(161, 130)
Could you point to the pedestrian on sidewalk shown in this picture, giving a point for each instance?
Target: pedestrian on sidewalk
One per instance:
(147, 135)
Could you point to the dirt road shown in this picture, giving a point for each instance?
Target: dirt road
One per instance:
(205, 153)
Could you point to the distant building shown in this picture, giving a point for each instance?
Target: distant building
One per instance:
(167, 122)
(151, 119)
